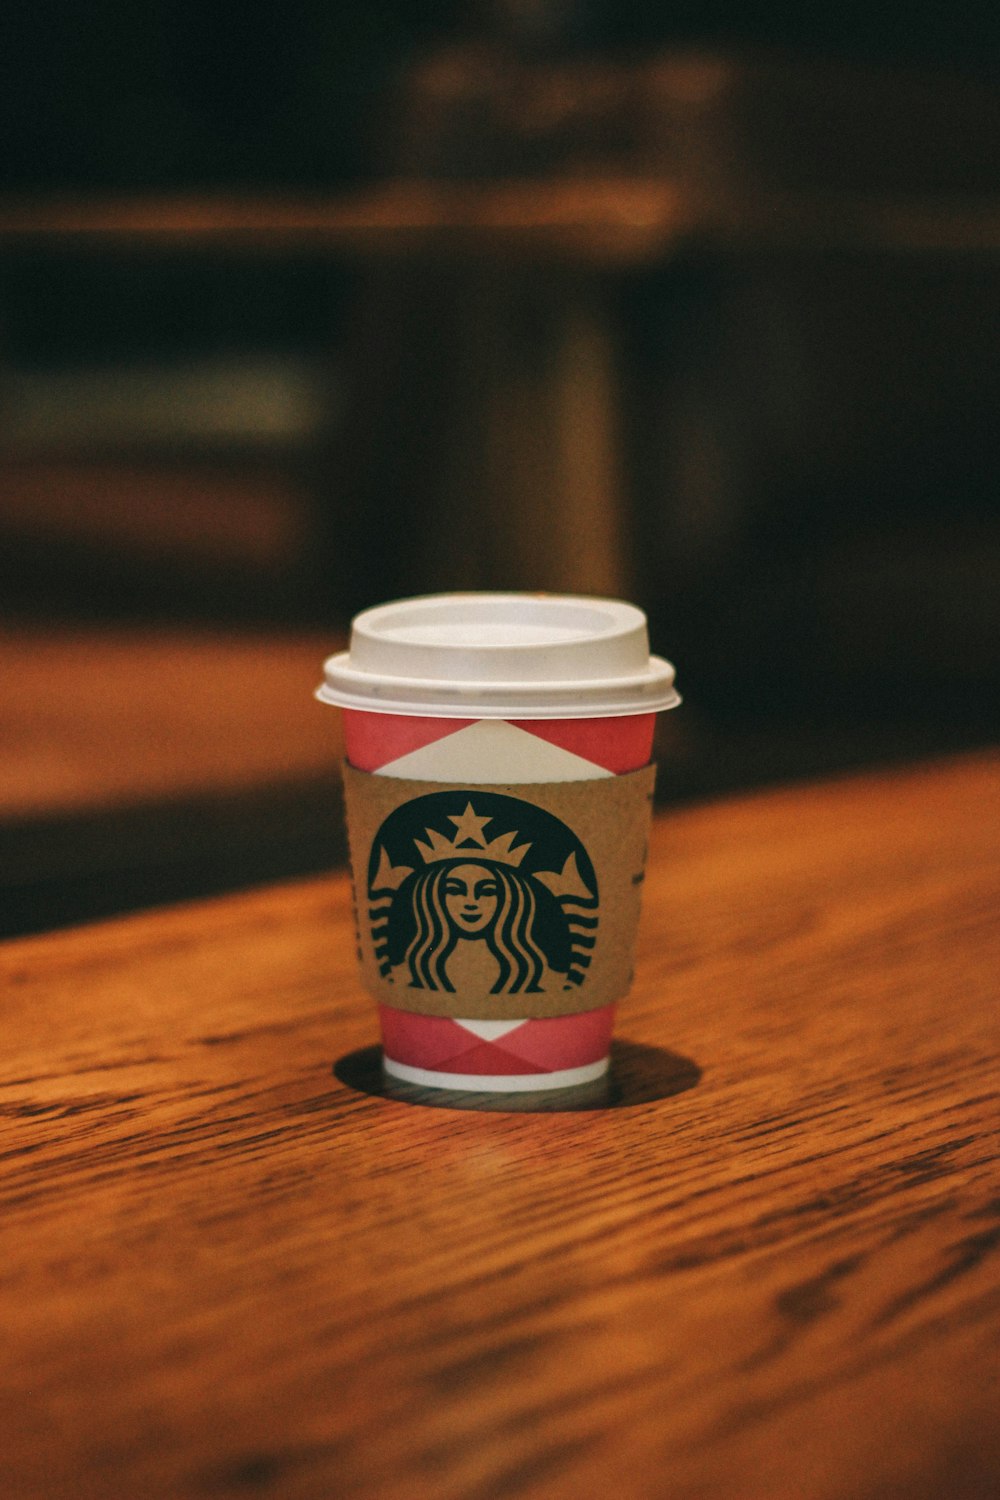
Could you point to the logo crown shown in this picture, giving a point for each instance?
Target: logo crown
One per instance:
(469, 832)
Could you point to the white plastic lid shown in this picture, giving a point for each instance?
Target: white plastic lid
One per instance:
(500, 656)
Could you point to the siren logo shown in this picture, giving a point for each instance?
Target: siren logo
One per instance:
(481, 894)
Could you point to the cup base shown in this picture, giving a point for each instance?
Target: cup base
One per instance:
(496, 1083)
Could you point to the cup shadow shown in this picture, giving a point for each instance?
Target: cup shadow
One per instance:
(639, 1074)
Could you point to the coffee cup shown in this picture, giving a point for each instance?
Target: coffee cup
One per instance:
(498, 785)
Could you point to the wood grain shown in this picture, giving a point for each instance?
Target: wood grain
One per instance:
(226, 1273)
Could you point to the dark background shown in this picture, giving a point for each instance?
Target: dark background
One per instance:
(809, 451)
(157, 95)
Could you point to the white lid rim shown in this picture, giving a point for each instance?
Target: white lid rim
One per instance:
(575, 710)
(651, 691)
(339, 668)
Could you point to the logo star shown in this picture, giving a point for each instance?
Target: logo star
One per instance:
(470, 827)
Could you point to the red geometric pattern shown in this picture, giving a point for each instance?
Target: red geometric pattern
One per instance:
(535, 1046)
(373, 740)
(618, 745)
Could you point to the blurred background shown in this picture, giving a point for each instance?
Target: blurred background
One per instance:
(306, 307)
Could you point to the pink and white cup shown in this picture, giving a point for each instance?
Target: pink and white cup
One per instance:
(498, 783)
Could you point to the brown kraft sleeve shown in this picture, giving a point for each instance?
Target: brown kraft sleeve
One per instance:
(497, 902)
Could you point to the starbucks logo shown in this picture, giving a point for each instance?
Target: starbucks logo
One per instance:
(480, 893)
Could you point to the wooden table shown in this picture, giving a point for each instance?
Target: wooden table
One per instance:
(768, 1268)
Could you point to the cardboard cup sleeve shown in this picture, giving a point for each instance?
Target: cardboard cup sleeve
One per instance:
(497, 902)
